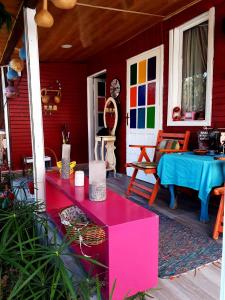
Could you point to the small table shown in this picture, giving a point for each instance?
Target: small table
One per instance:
(130, 251)
(201, 173)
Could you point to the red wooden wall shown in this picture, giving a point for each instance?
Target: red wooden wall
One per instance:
(71, 111)
(73, 108)
(115, 63)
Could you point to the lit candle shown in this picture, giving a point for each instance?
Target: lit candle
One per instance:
(66, 148)
(79, 178)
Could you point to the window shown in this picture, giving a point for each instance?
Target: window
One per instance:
(191, 48)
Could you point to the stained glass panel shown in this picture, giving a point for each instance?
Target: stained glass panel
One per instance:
(133, 96)
(151, 117)
(133, 74)
(151, 93)
(141, 117)
(152, 68)
(133, 118)
(141, 95)
(142, 71)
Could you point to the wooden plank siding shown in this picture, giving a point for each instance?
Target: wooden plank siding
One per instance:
(73, 77)
(115, 63)
(71, 111)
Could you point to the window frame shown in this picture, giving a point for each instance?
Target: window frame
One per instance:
(175, 69)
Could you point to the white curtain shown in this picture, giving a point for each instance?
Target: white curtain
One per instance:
(194, 69)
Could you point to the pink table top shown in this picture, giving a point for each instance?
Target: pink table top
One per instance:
(113, 211)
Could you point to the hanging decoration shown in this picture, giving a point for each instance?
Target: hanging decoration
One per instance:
(64, 4)
(15, 67)
(22, 53)
(11, 91)
(16, 64)
(11, 74)
(51, 98)
(43, 18)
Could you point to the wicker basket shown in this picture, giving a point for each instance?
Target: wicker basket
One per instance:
(79, 227)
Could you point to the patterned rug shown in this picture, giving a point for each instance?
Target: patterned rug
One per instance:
(181, 248)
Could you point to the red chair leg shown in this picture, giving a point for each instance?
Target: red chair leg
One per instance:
(154, 192)
(131, 181)
(218, 228)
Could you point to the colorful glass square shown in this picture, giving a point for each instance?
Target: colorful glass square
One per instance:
(133, 118)
(133, 96)
(141, 95)
(141, 117)
(151, 93)
(151, 117)
(133, 74)
(142, 71)
(152, 68)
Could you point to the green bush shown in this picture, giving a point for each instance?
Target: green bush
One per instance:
(31, 265)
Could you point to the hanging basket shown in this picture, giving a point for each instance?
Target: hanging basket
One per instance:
(80, 228)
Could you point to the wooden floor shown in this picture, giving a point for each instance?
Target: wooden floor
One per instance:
(202, 284)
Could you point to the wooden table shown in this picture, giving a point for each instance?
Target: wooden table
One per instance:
(131, 249)
(201, 173)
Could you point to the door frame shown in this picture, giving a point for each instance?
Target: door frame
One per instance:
(159, 48)
(90, 109)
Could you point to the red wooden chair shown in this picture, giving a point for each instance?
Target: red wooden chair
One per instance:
(218, 227)
(166, 143)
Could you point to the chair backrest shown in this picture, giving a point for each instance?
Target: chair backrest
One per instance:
(171, 140)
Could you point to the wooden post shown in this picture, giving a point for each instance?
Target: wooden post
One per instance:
(6, 118)
(36, 121)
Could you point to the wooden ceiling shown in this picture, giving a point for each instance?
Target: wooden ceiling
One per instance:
(13, 7)
(90, 27)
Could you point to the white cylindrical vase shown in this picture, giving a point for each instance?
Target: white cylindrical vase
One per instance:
(97, 180)
(65, 172)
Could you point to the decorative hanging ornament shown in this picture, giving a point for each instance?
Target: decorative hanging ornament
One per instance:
(57, 98)
(11, 91)
(22, 53)
(44, 97)
(43, 18)
(64, 4)
(11, 74)
(16, 64)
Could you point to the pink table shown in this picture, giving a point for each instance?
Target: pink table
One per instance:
(131, 249)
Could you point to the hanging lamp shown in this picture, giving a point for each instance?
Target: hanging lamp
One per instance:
(64, 4)
(43, 18)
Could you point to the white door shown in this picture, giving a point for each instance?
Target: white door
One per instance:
(144, 104)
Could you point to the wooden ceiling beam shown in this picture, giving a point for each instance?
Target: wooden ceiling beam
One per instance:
(119, 10)
(16, 31)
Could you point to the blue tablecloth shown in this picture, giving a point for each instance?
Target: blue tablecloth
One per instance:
(201, 173)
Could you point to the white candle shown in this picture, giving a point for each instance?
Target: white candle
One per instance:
(79, 178)
(66, 148)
